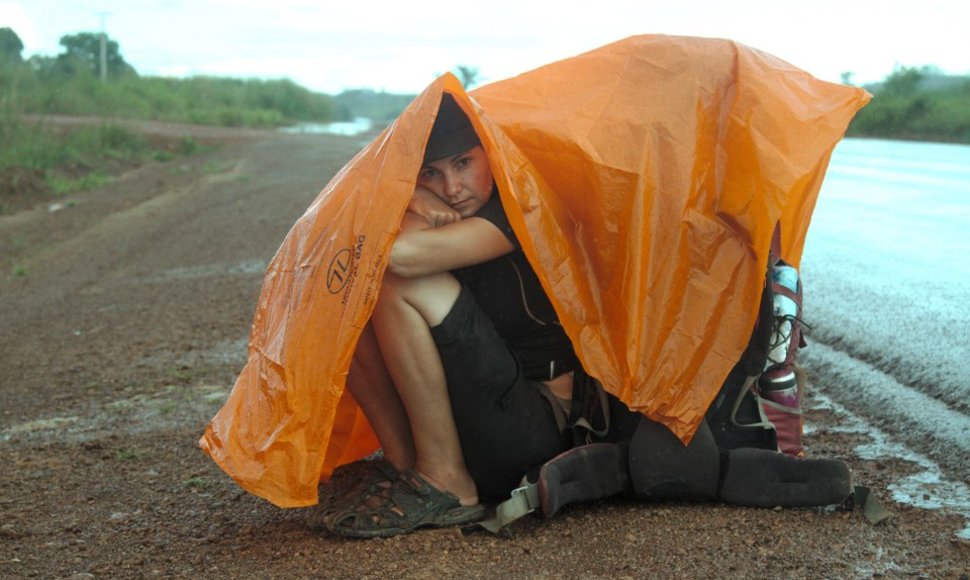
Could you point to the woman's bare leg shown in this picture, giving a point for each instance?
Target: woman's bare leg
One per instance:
(372, 388)
(406, 310)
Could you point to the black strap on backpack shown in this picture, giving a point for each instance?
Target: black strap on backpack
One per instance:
(755, 355)
(735, 404)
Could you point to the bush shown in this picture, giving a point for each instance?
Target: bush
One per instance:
(48, 86)
(916, 104)
(71, 161)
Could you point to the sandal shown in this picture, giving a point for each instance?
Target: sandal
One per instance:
(365, 474)
(401, 506)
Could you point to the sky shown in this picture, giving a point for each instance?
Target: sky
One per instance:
(400, 46)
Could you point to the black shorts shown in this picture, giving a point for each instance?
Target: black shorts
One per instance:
(505, 424)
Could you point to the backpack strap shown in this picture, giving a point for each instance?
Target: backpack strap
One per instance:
(557, 410)
(873, 510)
(588, 416)
(583, 473)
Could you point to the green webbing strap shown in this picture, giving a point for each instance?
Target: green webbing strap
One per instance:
(524, 500)
(870, 505)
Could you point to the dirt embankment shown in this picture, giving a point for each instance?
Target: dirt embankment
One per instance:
(122, 328)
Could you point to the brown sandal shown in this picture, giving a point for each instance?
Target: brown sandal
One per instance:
(401, 506)
(340, 493)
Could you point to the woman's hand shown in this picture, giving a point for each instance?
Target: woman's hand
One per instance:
(431, 207)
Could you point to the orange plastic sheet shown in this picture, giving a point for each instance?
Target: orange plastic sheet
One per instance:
(644, 180)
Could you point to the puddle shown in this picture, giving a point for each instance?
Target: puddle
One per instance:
(144, 412)
(38, 425)
(244, 268)
(186, 365)
(883, 396)
(926, 489)
(225, 352)
(348, 128)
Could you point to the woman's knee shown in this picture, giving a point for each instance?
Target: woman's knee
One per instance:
(431, 296)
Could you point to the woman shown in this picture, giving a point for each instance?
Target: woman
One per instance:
(652, 172)
(464, 372)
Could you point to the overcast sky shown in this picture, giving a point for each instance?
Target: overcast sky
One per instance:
(401, 46)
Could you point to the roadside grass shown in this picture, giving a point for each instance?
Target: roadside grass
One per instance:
(38, 162)
(127, 454)
(65, 185)
(183, 148)
(216, 167)
(37, 146)
(197, 482)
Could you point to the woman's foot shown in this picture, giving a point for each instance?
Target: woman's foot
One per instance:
(400, 506)
(363, 475)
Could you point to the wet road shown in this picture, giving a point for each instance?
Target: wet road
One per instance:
(886, 270)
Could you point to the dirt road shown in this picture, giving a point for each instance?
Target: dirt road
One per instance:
(123, 322)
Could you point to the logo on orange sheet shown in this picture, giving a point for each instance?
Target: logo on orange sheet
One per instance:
(339, 271)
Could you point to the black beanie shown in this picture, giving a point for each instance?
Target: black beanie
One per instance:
(451, 133)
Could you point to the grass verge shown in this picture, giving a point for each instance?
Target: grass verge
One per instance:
(39, 163)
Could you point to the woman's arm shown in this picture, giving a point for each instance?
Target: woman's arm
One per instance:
(421, 249)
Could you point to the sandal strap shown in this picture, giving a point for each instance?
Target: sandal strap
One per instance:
(410, 497)
(369, 473)
(409, 502)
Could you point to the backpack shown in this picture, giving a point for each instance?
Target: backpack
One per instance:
(759, 404)
(754, 436)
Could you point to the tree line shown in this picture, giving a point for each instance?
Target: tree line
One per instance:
(911, 103)
(74, 83)
(917, 103)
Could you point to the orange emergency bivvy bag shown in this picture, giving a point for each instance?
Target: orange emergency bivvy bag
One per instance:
(643, 179)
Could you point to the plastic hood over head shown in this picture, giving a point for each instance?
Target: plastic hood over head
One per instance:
(643, 179)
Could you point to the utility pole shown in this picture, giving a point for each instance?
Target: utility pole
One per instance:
(104, 49)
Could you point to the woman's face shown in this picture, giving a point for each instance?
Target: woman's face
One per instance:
(463, 181)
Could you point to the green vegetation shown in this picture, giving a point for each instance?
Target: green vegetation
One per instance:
(30, 146)
(197, 482)
(127, 454)
(468, 75)
(918, 104)
(72, 84)
(40, 160)
(381, 107)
